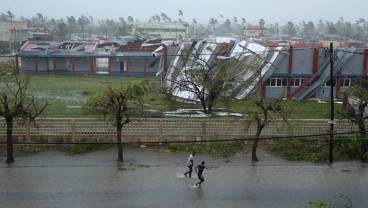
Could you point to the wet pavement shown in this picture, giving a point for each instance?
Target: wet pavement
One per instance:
(153, 177)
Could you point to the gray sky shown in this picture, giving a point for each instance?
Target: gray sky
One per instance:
(271, 11)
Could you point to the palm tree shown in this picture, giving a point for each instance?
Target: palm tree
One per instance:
(222, 18)
(194, 25)
(261, 24)
(42, 20)
(82, 21)
(62, 30)
(91, 23)
(157, 18)
(243, 21)
(362, 20)
(213, 22)
(130, 19)
(180, 13)
(10, 15)
(164, 17)
(72, 24)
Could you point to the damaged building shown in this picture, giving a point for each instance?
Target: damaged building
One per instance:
(286, 72)
(123, 56)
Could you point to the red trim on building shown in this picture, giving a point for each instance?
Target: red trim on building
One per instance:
(315, 61)
(315, 64)
(109, 63)
(145, 67)
(73, 65)
(365, 63)
(127, 65)
(264, 90)
(290, 70)
(165, 59)
(54, 64)
(36, 64)
(16, 64)
(91, 63)
(338, 86)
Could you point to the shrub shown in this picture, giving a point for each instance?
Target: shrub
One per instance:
(348, 148)
(213, 148)
(90, 145)
(302, 149)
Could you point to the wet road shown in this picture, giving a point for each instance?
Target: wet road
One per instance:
(153, 177)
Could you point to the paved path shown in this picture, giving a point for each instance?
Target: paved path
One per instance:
(153, 177)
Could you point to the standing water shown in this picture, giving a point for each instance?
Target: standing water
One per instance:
(153, 177)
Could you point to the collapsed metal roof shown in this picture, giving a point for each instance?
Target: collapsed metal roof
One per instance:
(125, 40)
(248, 53)
(58, 47)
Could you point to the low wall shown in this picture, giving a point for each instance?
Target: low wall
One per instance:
(164, 129)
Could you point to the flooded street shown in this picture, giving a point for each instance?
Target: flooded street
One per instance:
(153, 177)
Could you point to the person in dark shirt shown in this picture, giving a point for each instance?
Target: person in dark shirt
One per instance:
(199, 170)
(190, 165)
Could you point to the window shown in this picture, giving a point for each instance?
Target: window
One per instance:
(347, 82)
(276, 82)
(328, 83)
(297, 82)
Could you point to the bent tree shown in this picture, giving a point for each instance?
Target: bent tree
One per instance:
(356, 110)
(265, 113)
(117, 105)
(17, 104)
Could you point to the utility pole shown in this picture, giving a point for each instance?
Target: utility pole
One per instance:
(332, 108)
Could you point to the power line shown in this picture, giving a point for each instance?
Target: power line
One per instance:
(190, 141)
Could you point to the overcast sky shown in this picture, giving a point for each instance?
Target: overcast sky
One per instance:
(271, 11)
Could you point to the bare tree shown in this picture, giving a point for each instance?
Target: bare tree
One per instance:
(207, 79)
(17, 104)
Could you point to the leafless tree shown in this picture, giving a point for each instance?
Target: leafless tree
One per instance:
(17, 104)
(208, 79)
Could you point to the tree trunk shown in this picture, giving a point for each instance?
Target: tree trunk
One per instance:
(254, 149)
(203, 103)
(255, 145)
(364, 142)
(119, 141)
(9, 140)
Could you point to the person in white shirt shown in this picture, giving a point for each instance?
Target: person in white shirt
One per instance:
(190, 165)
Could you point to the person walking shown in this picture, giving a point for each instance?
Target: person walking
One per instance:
(199, 170)
(190, 165)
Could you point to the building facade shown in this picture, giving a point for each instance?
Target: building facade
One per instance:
(12, 35)
(175, 31)
(283, 72)
(255, 31)
(122, 57)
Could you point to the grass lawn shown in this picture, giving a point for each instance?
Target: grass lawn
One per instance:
(67, 93)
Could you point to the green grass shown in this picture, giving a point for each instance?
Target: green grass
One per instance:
(67, 93)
